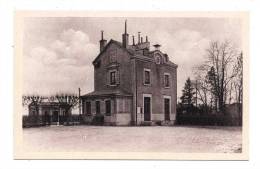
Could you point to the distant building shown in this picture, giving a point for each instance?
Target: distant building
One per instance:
(132, 84)
(45, 113)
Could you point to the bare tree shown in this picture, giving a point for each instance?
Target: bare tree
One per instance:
(218, 67)
(238, 84)
(238, 80)
(67, 101)
(32, 99)
(203, 88)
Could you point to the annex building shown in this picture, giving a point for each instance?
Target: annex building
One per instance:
(133, 85)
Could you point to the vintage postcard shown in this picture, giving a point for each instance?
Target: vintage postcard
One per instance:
(131, 85)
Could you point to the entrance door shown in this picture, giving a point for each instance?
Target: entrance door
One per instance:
(167, 109)
(108, 107)
(147, 109)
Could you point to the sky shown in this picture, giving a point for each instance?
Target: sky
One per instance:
(58, 51)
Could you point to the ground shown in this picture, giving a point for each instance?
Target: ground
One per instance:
(134, 139)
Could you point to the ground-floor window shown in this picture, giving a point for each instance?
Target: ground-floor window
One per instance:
(97, 107)
(108, 107)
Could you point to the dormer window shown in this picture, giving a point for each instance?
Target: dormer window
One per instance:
(157, 59)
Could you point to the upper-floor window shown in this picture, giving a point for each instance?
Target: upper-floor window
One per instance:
(112, 77)
(166, 80)
(147, 76)
(157, 59)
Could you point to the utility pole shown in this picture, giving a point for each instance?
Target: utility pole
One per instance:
(196, 86)
(79, 103)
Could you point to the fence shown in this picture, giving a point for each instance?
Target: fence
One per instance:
(209, 119)
(36, 121)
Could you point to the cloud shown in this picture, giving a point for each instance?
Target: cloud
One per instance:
(61, 65)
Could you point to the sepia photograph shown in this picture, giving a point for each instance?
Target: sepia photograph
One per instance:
(131, 85)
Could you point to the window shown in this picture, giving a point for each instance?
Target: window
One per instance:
(147, 78)
(157, 60)
(88, 108)
(97, 107)
(166, 80)
(108, 107)
(112, 77)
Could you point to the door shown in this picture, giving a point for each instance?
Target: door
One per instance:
(167, 109)
(147, 109)
(97, 107)
(108, 107)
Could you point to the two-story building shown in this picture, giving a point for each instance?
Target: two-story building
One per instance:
(133, 85)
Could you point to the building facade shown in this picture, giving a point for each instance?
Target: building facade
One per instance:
(133, 85)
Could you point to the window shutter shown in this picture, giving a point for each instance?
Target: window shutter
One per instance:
(163, 80)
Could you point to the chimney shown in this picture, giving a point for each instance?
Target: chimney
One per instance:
(125, 36)
(133, 40)
(102, 42)
(146, 38)
(139, 37)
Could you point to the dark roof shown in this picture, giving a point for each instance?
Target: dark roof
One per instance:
(48, 104)
(115, 92)
(132, 53)
(119, 44)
